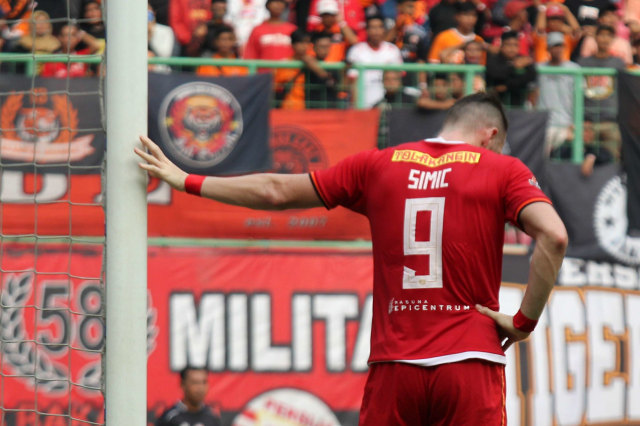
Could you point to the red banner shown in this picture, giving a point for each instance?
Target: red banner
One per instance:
(285, 334)
(277, 328)
(301, 141)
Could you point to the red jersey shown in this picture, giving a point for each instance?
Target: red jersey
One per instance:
(67, 70)
(270, 41)
(437, 211)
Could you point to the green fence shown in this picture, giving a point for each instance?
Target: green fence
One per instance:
(30, 62)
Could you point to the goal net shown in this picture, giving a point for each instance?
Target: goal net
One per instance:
(52, 144)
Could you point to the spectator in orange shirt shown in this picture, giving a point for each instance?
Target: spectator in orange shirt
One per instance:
(322, 90)
(224, 46)
(289, 83)
(466, 17)
(342, 36)
(554, 17)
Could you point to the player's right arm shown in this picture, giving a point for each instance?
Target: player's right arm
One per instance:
(264, 191)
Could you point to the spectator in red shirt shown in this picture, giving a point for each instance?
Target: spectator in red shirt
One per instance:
(350, 11)
(332, 23)
(517, 14)
(72, 42)
(272, 38)
(186, 15)
(205, 33)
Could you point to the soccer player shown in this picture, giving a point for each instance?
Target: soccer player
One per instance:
(191, 409)
(437, 209)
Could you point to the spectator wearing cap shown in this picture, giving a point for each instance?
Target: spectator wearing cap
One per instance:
(466, 18)
(516, 12)
(601, 93)
(342, 36)
(205, 32)
(509, 74)
(373, 51)
(554, 17)
(555, 94)
(351, 12)
(224, 47)
(271, 39)
(620, 47)
(186, 15)
(586, 9)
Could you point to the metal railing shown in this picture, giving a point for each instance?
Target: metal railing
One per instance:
(253, 66)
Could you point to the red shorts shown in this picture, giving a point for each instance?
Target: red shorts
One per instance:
(470, 392)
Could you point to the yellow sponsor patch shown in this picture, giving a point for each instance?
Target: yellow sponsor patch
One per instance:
(411, 156)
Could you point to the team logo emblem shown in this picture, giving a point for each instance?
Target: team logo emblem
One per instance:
(41, 127)
(286, 406)
(296, 150)
(611, 224)
(534, 182)
(57, 331)
(200, 123)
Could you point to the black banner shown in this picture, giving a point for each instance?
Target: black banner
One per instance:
(594, 211)
(212, 125)
(629, 120)
(50, 124)
(525, 138)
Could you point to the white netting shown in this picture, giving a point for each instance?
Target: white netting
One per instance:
(51, 217)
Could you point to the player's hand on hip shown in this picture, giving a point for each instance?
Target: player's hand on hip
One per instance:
(159, 166)
(506, 331)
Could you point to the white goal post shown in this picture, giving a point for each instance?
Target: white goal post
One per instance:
(126, 215)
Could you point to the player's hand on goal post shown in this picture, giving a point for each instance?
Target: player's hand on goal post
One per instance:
(159, 166)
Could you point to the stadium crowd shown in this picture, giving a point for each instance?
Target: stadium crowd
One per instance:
(510, 38)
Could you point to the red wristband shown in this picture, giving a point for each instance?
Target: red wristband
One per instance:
(193, 184)
(522, 323)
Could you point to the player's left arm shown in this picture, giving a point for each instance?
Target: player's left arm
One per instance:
(263, 191)
(542, 223)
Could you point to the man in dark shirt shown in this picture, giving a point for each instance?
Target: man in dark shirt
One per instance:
(191, 409)
(509, 74)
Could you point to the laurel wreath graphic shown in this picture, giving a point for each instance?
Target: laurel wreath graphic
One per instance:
(18, 350)
(36, 366)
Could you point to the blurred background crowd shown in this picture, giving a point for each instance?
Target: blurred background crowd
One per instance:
(507, 40)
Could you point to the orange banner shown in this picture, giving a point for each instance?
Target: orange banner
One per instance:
(301, 141)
